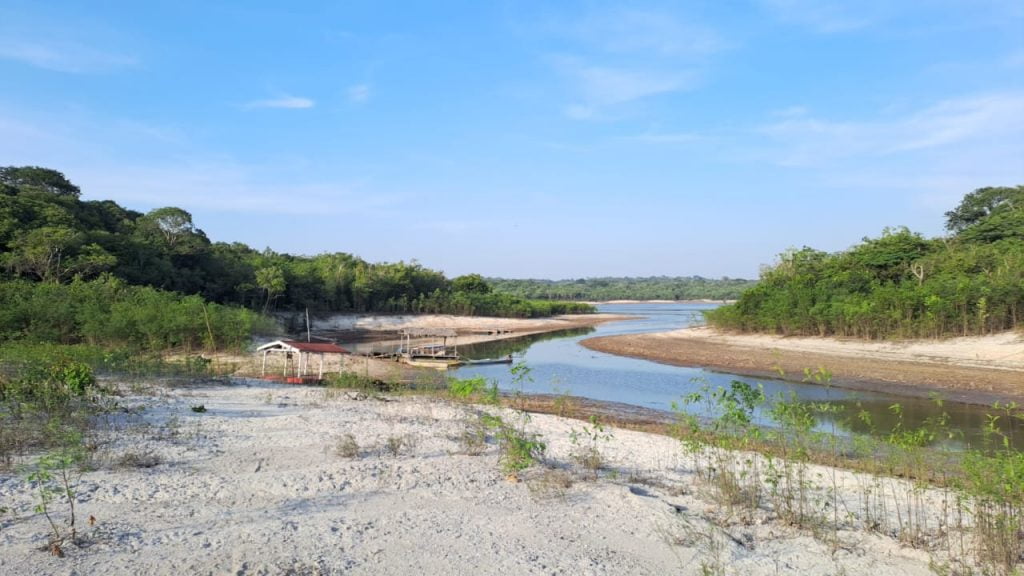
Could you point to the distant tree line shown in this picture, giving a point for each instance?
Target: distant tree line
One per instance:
(50, 238)
(900, 285)
(611, 288)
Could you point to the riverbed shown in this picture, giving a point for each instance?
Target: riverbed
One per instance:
(558, 364)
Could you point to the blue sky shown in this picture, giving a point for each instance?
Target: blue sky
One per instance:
(524, 139)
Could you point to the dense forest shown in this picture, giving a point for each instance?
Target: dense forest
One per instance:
(900, 285)
(67, 264)
(604, 289)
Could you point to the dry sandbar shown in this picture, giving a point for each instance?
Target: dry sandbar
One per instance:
(978, 369)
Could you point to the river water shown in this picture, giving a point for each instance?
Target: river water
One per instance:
(558, 364)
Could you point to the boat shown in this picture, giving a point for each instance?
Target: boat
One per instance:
(484, 361)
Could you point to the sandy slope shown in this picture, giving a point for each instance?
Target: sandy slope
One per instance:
(255, 486)
(999, 351)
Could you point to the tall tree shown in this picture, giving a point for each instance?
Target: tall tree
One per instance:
(36, 179)
(271, 281)
(983, 204)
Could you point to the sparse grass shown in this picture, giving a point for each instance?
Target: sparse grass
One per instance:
(564, 403)
(550, 483)
(587, 443)
(472, 439)
(134, 459)
(346, 446)
(968, 505)
(396, 446)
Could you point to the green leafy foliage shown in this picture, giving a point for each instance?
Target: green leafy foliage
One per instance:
(47, 234)
(604, 289)
(900, 285)
(107, 312)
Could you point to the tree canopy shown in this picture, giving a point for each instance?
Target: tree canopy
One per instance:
(900, 284)
(49, 235)
(607, 288)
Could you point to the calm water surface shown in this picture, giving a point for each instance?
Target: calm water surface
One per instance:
(559, 364)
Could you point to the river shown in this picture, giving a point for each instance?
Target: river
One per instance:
(558, 364)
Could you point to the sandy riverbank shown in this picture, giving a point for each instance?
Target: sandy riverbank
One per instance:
(975, 369)
(470, 329)
(257, 485)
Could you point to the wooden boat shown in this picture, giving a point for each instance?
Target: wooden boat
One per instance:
(483, 361)
(438, 363)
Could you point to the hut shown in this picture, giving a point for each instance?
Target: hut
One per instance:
(297, 356)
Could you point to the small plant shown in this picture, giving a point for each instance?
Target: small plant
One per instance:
(394, 446)
(563, 403)
(54, 476)
(473, 438)
(347, 447)
(519, 450)
(77, 377)
(587, 445)
(199, 408)
(466, 388)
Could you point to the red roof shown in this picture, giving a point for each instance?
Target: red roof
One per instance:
(319, 347)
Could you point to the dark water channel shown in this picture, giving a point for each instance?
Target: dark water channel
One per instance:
(560, 365)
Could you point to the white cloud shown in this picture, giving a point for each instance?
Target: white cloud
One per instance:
(285, 102)
(620, 56)
(600, 87)
(359, 93)
(804, 140)
(64, 56)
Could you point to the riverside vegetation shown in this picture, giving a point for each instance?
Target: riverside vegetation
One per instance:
(900, 285)
(48, 235)
(604, 289)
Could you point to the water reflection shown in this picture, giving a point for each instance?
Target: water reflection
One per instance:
(559, 364)
(515, 346)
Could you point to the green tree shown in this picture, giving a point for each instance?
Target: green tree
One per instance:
(53, 254)
(985, 204)
(271, 281)
(35, 179)
(471, 284)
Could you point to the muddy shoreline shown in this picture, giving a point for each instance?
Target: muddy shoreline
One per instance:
(955, 382)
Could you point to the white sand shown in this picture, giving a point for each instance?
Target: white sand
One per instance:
(254, 486)
(1001, 351)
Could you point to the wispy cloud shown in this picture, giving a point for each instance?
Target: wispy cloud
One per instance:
(229, 187)
(600, 87)
(619, 56)
(803, 140)
(359, 93)
(64, 56)
(285, 102)
(823, 16)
